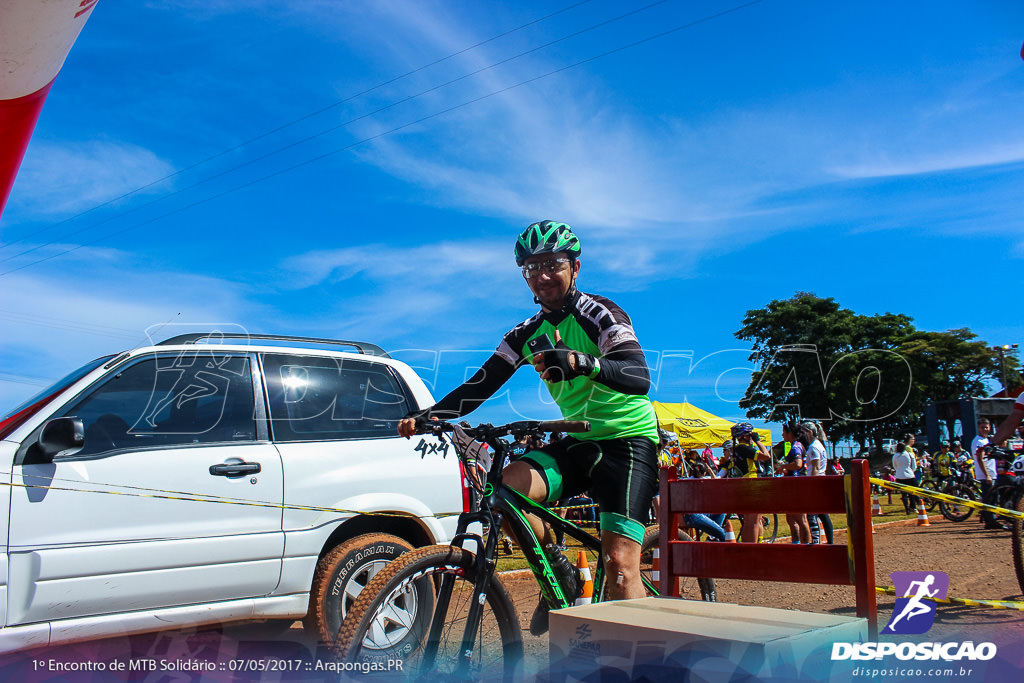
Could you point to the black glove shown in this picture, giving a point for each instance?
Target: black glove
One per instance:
(557, 362)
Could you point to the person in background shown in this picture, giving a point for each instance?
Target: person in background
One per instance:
(812, 437)
(790, 466)
(942, 462)
(984, 468)
(908, 442)
(904, 465)
(725, 463)
(747, 452)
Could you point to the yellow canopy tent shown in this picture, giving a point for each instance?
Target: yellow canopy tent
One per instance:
(696, 428)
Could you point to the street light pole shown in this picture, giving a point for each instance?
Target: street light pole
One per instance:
(1002, 351)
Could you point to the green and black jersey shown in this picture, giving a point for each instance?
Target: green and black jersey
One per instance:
(614, 400)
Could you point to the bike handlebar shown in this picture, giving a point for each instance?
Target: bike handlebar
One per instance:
(512, 428)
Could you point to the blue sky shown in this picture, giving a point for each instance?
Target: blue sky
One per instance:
(868, 151)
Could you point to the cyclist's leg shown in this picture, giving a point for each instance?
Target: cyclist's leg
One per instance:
(523, 477)
(624, 479)
(621, 566)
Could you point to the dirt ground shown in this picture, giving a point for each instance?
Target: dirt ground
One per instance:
(978, 562)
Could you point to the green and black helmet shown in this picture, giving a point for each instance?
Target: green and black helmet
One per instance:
(547, 237)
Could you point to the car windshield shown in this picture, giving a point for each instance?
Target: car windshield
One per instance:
(60, 384)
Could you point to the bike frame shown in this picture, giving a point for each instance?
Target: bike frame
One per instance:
(503, 503)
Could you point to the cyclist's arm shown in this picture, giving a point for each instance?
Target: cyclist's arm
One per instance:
(625, 372)
(469, 396)
(1009, 425)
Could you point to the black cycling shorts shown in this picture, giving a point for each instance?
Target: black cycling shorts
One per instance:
(621, 473)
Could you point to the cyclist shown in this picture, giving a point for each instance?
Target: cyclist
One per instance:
(746, 453)
(941, 463)
(595, 371)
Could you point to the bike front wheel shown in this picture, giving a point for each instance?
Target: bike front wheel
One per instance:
(389, 624)
(1018, 542)
(958, 512)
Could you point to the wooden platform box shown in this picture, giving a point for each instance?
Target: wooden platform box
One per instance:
(658, 639)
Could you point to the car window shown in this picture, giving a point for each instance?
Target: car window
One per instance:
(188, 398)
(331, 398)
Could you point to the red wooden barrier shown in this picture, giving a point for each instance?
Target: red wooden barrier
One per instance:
(852, 565)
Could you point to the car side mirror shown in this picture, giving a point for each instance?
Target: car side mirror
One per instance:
(60, 434)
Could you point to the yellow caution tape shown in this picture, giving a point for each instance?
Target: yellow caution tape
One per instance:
(994, 604)
(205, 498)
(164, 494)
(928, 493)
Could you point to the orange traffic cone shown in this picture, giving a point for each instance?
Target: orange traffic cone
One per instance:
(876, 507)
(587, 596)
(922, 514)
(730, 535)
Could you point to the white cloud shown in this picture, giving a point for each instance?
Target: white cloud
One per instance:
(66, 177)
(917, 162)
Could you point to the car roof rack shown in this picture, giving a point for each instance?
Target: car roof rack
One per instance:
(193, 337)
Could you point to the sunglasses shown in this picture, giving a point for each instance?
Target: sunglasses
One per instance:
(532, 270)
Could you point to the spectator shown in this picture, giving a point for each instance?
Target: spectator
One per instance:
(815, 457)
(904, 464)
(908, 441)
(725, 465)
(790, 465)
(747, 452)
(984, 469)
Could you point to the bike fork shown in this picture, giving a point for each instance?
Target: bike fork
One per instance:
(484, 571)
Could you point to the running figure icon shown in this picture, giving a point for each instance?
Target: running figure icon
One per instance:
(916, 588)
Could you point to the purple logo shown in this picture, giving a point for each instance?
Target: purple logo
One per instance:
(914, 612)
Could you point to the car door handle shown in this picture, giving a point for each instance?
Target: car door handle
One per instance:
(235, 469)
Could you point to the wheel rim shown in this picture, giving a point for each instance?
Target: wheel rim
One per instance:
(397, 629)
(393, 621)
(391, 625)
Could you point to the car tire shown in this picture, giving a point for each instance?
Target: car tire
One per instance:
(339, 577)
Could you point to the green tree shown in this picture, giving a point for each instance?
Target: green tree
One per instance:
(870, 377)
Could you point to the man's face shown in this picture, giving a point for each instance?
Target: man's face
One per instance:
(550, 287)
(910, 441)
(984, 427)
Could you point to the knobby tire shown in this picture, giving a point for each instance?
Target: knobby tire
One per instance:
(955, 512)
(391, 618)
(1018, 543)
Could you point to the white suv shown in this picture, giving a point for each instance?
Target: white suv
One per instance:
(190, 483)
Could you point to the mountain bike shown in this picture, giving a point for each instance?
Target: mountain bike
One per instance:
(443, 610)
(956, 484)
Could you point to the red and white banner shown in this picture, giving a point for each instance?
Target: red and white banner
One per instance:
(35, 38)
